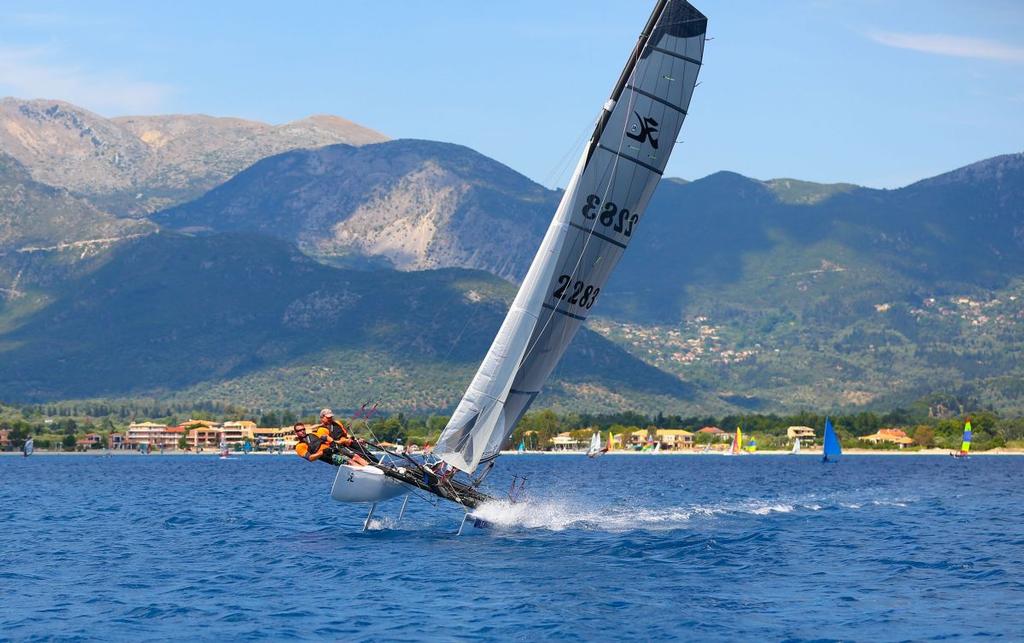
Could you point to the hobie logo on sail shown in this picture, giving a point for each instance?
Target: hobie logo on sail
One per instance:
(648, 128)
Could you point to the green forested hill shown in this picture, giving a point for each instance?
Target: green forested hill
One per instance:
(777, 294)
(736, 293)
(852, 297)
(251, 319)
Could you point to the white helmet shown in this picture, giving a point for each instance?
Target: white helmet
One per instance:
(326, 413)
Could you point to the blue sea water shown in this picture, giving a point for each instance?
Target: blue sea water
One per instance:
(623, 547)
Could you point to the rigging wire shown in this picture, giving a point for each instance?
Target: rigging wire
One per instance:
(564, 164)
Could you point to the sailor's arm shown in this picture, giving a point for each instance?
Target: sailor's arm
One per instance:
(344, 441)
(319, 453)
(302, 450)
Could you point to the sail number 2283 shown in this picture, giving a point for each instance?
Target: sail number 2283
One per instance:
(609, 215)
(577, 293)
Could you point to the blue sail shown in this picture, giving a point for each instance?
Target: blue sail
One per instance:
(832, 448)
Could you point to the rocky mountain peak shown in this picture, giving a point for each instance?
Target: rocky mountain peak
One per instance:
(133, 165)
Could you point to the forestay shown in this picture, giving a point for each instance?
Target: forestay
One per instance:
(601, 210)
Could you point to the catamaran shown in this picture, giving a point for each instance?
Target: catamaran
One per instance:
(595, 449)
(796, 448)
(601, 209)
(965, 443)
(832, 447)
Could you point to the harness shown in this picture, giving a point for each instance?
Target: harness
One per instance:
(313, 443)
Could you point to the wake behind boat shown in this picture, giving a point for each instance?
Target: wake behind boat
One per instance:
(603, 205)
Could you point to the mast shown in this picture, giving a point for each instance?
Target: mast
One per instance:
(602, 206)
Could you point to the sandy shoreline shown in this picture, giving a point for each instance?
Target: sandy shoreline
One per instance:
(694, 452)
(803, 452)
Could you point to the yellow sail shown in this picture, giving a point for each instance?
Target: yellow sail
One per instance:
(738, 443)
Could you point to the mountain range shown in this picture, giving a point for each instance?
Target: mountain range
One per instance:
(134, 165)
(735, 293)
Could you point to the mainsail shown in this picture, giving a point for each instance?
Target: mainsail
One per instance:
(603, 204)
(832, 448)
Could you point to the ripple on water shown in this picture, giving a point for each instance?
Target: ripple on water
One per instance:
(696, 548)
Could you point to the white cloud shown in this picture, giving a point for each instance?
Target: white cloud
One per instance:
(37, 72)
(946, 45)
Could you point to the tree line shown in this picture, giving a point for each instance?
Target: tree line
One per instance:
(62, 422)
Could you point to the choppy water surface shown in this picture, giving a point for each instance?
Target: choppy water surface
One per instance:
(648, 547)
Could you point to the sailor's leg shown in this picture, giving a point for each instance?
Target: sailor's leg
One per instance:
(353, 457)
(366, 524)
(404, 504)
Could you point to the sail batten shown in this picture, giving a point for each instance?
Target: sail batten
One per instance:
(600, 210)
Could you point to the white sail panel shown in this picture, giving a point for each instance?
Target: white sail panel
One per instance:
(599, 214)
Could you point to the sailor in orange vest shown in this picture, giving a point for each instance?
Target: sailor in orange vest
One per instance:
(333, 429)
(313, 447)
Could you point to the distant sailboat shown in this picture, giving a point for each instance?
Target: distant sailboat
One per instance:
(522, 446)
(595, 446)
(611, 441)
(28, 447)
(832, 447)
(796, 448)
(737, 443)
(965, 444)
(224, 453)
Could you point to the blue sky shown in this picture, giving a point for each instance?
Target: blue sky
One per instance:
(879, 93)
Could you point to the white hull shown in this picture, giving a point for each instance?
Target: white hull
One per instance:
(365, 484)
